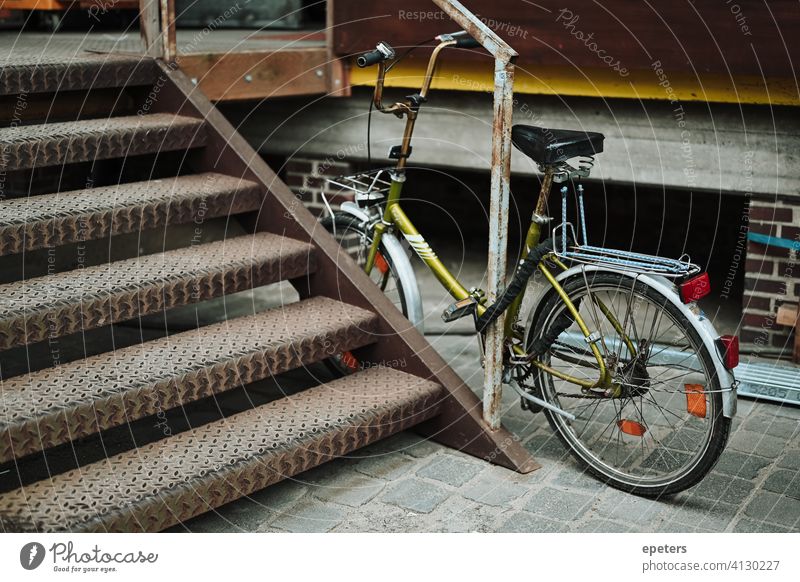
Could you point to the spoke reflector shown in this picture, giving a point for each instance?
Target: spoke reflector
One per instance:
(381, 263)
(696, 400)
(631, 427)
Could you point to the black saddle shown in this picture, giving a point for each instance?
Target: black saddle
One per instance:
(552, 146)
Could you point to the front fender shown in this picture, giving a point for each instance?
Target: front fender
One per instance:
(402, 264)
(704, 327)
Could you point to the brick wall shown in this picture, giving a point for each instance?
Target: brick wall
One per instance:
(772, 275)
(307, 179)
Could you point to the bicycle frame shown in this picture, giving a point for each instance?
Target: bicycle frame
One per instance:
(395, 218)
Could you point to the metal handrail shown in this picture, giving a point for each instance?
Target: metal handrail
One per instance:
(504, 57)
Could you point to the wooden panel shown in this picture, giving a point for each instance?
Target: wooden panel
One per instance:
(257, 75)
(745, 37)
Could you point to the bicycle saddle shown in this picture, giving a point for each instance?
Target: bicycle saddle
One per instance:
(552, 146)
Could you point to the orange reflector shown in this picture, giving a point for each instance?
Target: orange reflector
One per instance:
(631, 427)
(349, 360)
(696, 400)
(381, 263)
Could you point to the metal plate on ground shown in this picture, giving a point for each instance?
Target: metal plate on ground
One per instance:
(779, 383)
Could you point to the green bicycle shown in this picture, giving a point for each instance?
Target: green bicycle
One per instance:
(615, 352)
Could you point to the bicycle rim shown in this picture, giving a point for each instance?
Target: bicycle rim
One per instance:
(660, 429)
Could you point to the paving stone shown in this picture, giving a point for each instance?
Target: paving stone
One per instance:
(597, 525)
(742, 465)
(349, 488)
(249, 513)
(524, 522)
(309, 516)
(689, 513)
(723, 488)
(450, 469)
(619, 506)
(675, 527)
(415, 495)
(785, 482)
(379, 517)
(747, 441)
(387, 466)
(458, 515)
(423, 448)
(491, 490)
(575, 478)
(558, 505)
(774, 508)
(768, 423)
(547, 446)
(791, 460)
(748, 525)
(786, 512)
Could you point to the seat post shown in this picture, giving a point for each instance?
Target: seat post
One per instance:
(544, 193)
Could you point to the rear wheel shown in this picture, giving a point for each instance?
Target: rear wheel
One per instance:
(660, 429)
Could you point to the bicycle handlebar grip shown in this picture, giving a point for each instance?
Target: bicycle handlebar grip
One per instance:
(370, 58)
(464, 40)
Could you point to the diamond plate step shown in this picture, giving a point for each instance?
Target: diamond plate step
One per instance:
(55, 219)
(172, 480)
(41, 72)
(63, 303)
(57, 405)
(53, 144)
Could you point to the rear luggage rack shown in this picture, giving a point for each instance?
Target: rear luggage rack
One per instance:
(613, 258)
(369, 186)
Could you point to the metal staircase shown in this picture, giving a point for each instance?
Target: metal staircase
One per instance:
(154, 485)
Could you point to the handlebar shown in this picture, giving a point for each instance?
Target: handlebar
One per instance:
(383, 52)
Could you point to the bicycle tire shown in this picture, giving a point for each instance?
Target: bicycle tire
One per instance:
(718, 427)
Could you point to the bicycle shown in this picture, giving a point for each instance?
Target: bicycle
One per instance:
(616, 352)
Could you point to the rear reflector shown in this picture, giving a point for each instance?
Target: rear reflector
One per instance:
(695, 400)
(729, 350)
(631, 427)
(695, 288)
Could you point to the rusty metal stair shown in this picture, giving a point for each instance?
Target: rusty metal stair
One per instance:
(56, 144)
(37, 222)
(56, 405)
(37, 72)
(268, 237)
(63, 303)
(169, 481)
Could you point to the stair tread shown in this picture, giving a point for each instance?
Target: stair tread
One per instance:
(53, 305)
(27, 146)
(47, 70)
(173, 479)
(55, 219)
(55, 405)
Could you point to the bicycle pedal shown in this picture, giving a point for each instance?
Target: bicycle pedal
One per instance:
(459, 309)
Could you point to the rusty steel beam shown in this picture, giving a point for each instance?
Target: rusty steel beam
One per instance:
(500, 188)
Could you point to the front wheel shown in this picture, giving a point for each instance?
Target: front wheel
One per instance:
(402, 291)
(658, 428)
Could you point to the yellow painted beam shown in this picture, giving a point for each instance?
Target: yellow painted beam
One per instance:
(650, 84)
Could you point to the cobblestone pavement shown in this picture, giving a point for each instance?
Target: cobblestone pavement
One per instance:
(407, 484)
